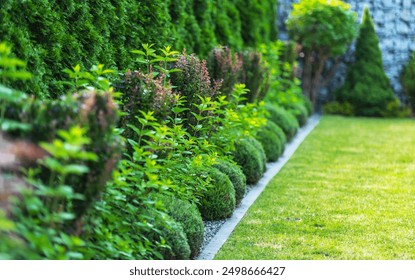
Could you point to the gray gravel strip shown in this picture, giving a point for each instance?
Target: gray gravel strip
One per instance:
(217, 232)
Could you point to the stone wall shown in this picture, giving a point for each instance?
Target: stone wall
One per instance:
(395, 25)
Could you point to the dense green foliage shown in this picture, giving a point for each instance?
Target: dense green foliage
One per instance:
(408, 81)
(283, 119)
(218, 200)
(130, 178)
(367, 88)
(47, 36)
(187, 214)
(274, 128)
(284, 87)
(250, 160)
(237, 177)
(258, 19)
(324, 29)
(179, 248)
(271, 142)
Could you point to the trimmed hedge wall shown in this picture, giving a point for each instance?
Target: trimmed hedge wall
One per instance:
(54, 35)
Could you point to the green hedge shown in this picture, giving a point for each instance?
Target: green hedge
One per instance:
(54, 35)
(236, 176)
(250, 160)
(190, 219)
(283, 119)
(218, 200)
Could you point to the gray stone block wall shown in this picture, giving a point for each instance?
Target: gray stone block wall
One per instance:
(395, 26)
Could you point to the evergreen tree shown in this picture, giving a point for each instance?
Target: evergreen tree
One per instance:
(367, 88)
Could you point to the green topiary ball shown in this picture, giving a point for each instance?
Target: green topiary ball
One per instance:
(283, 119)
(176, 238)
(237, 177)
(300, 113)
(271, 126)
(188, 215)
(218, 201)
(260, 149)
(271, 143)
(249, 159)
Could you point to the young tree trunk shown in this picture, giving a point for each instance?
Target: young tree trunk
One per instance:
(307, 74)
(313, 78)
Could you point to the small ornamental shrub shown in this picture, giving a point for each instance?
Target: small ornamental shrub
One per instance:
(175, 237)
(237, 177)
(337, 108)
(300, 112)
(283, 119)
(367, 88)
(255, 75)
(272, 144)
(192, 82)
(225, 68)
(187, 214)
(250, 160)
(260, 149)
(271, 126)
(218, 201)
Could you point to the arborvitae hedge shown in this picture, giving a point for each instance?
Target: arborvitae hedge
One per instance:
(54, 35)
(258, 19)
(367, 88)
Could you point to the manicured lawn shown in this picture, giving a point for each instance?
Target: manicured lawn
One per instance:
(347, 193)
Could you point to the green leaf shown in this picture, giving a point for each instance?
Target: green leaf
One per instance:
(76, 169)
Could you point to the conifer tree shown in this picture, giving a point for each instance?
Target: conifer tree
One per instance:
(367, 88)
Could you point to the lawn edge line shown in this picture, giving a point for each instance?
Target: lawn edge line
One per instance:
(210, 250)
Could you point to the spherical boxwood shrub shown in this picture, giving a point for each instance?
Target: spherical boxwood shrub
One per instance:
(218, 200)
(258, 146)
(271, 143)
(271, 126)
(237, 177)
(283, 119)
(249, 159)
(175, 238)
(188, 215)
(300, 113)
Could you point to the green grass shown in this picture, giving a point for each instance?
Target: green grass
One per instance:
(347, 193)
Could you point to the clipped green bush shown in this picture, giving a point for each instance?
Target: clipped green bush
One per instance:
(274, 128)
(249, 159)
(176, 239)
(272, 139)
(258, 146)
(367, 88)
(337, 108)
(218, 201)
(300, 112)
(237, 177)
(283, 119)
(187, 214)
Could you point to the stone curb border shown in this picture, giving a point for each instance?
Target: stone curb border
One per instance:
(209, 252)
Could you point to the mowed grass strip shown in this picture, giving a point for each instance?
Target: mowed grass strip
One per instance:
(347, 193)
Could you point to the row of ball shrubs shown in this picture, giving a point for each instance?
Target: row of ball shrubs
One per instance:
(229, 181)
